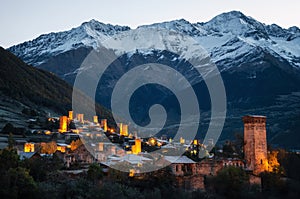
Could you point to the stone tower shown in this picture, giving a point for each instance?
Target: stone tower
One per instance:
(70, 115)
(255, 139)
(63, 124)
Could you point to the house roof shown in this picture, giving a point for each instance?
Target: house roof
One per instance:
(26, 155)
(134, 159)
(179, 159)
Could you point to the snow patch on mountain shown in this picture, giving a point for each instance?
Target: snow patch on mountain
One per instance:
(226, 36)
(89, 34)
(147, 39)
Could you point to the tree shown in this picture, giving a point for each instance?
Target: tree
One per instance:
(8, 128)
(272, 184)
(17, 183)
(228, 149)
(11, 141)
(273, 164)
(95, 172)
(230, 182)
(8, 159)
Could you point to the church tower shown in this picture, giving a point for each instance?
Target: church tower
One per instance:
(255, 143)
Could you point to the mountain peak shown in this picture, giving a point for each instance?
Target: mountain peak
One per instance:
(236, 23)
(233, 14)
(108, 29)
(179, 25)
(228, 16)
(294, 29)
(168, 24)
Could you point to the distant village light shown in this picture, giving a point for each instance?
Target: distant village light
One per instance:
(120, 125)
(123, 129)
(28, 147)
(81, 118)
(104, 124)
(61, 148)
(152, 141)
(137, 147)
(195, 142)
(63, 124)
(131, 173)
(182, 141)
(95, 119)
(70, 115)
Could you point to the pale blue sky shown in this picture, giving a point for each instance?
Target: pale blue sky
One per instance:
(26, 19)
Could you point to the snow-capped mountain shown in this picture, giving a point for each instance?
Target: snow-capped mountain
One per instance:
(228, 35)
(259, 64)
(90, 34)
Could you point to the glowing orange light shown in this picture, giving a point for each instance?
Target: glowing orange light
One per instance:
(28, 147)
(195, 142)
(152, 141)
(182, 141)
(95, 118)
(137, 148)
(63, 124)
(131, 172)
(123, 129)
(70, 115)
(104, 124)
(61, 149)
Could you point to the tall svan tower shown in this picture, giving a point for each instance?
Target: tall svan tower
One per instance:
(255, 139)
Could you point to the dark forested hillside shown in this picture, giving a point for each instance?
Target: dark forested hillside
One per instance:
(34, 88)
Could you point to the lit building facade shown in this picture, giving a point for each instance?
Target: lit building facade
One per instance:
(28, 147)
(124, 131)
(70, 115)
(63, 124)
(104, 124)
(80, 117)
(95, 119)
(255, 143)
(137, 147)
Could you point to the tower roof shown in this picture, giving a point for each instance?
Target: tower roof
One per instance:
(261, 116)
(254, 118)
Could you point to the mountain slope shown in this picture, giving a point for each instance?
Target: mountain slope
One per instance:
(24, 86)
(90, 33)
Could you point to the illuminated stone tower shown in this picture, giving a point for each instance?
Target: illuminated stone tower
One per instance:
(123, 129)
(80, 117)
(104, 124)
(120, 125)
(70, 115)
(137, 147)
(63, 124)
(95, 118)
(255, 139)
